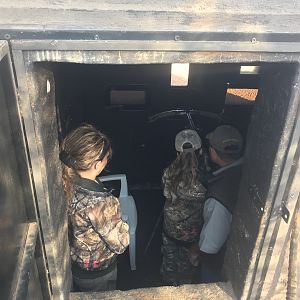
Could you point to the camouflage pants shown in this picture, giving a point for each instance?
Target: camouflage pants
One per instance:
(176, 268)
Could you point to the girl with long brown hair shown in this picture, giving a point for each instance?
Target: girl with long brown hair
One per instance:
(183, 209)
(97, 232)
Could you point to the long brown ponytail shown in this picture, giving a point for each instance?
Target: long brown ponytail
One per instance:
(79, 150)
(183, 171)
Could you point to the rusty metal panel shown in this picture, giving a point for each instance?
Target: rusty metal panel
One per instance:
(13, 194)
(237, 6)
(36, 88)
(13, 215)
(278, 232)
(25, 274)
(267, 146)
(44, 110)
(174, 44)
(268, 25)
(41, 17)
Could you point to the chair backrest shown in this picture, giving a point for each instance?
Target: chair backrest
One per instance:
(122, 177)
(128, 211)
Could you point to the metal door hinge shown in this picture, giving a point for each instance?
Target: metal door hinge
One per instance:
(285, 214)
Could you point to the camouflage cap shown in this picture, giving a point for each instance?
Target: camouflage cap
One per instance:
(187, 140)
(226, 139)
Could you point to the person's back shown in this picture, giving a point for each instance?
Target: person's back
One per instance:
(183, 209)
(224, 186)
(222, 193)
(96, 231)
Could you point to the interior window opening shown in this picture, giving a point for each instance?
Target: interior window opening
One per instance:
(135, 106)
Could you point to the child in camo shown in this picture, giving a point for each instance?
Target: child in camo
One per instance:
(183, 209)
(97, 232)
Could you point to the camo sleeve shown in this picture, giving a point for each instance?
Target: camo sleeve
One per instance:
(106, 219)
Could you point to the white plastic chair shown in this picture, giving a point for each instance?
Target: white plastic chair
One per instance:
(129, 214)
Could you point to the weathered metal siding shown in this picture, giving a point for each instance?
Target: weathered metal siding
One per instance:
(239, 6)
(20, 239)
(42, 92)
(152, 20)
(36, 90)
(13, 225)
(267, 145)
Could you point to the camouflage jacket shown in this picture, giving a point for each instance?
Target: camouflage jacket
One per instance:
(183, 210)
(97, 232)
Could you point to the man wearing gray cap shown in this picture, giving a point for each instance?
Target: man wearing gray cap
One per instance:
(225, 150)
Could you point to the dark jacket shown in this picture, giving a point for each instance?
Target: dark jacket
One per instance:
(225, 186)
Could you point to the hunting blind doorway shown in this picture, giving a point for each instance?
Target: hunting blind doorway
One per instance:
(73, 82)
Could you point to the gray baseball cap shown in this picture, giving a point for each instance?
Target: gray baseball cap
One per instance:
(226, 139)
(187, 140)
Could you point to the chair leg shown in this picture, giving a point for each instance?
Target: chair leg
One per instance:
(132, 252)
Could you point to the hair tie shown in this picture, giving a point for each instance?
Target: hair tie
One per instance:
(66, 158)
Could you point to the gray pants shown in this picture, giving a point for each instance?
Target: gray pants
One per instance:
(104, 283)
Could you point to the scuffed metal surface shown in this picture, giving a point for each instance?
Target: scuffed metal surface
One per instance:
(47, 176)
(14, 188)
(242, 6)
(206, 16)
(139, 57)
(267, 146)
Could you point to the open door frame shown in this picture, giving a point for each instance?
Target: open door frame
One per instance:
(42, 136)
(21, 247)
(38, 109)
